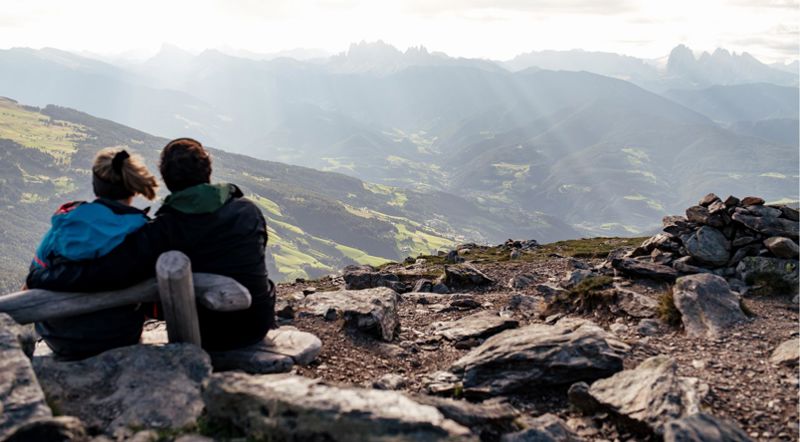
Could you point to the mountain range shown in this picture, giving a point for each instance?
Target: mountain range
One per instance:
(547, 145)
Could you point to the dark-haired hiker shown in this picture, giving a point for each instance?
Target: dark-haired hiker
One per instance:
(87, 230)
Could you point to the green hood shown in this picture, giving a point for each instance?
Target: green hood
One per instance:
(203, 198)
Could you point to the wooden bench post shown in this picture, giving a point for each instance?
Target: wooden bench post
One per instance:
(176, 290)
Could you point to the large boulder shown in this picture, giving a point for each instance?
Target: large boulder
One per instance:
(540, 354)
(487, 417)
(702, 427)
(372, 310)
(769, 275)
(768, 225)
(51, 429)
(25, 334)
(286, 407)
(707, 304)
(465, 276)
(140, 386)
(708, 246)
(478, 325)
(21, 399)
(644, 399)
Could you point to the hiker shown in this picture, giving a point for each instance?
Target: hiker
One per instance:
(86, 230)
(213, 224)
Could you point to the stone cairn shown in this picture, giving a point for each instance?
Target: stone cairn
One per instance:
(751, 244)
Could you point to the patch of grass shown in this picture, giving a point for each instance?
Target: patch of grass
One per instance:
(37, 131)
(667, 312)
(592, 248)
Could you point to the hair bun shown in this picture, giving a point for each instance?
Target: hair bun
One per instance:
(119, 161)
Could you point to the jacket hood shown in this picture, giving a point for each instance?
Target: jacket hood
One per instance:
(82, 231)
(202, 198)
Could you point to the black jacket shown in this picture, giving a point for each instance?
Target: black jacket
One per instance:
(229, 241)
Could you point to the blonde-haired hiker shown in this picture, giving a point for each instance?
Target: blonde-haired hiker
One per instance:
(87, 230)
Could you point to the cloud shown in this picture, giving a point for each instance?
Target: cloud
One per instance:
(610, 7)
(781, 4)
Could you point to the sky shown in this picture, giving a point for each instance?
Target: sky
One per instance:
(494, 29)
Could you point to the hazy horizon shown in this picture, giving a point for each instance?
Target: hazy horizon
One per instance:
(496, 30)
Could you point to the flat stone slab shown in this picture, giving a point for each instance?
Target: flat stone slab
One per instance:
(21, 399)
(647, 397)
(277, 353)
(642, 269)
(371, 310)
(287, 407)
(141, 386)
(788, 353)
(479, 325)
(539, 354)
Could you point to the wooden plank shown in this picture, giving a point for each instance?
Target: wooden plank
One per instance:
(176, 291)
(215, 292)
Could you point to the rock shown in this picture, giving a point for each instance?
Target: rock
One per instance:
(684, 265)
(752, 201)
(442, 383)
(618, 328)
(769, 226)
(708, 246)
(575, 277)
(790, 213)
(422, 286)
(660, 241)
(487, 416)
(285, 407)
(702, 215)
(702, 427)
(644, 399)
(748, 250)
(285, 304)
(782, 247)
(21, 399)
(359, 277)
(545, 428)
(478, 325)
(708, 200)
(527, 305)
(788, 353)
(464, 303)
(771, 275)
(717, 207)
(371, 310)
(277, 353)
(515, 254)
(743, 240)
(26, 335)
(707, 304)
(731, 201)
(764, 211)
(390, 381)
(540, 354)
(440, 288)
(140, 386)
(453, 258)
(641, 269)
(636, 304)
(521, 281)
(465, 276)
(52, 429)
(549, 291)
(647, 327)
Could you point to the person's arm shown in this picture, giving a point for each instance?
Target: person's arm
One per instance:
(129, 263)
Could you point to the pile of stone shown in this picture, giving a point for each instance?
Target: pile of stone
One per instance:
(751, 244)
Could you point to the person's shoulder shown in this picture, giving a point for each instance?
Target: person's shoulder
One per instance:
(68, 207)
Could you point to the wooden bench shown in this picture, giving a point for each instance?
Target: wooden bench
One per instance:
(175, 286)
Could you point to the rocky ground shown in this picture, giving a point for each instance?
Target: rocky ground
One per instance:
(677, 337)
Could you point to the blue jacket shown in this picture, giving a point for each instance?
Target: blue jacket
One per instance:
(83, 231)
